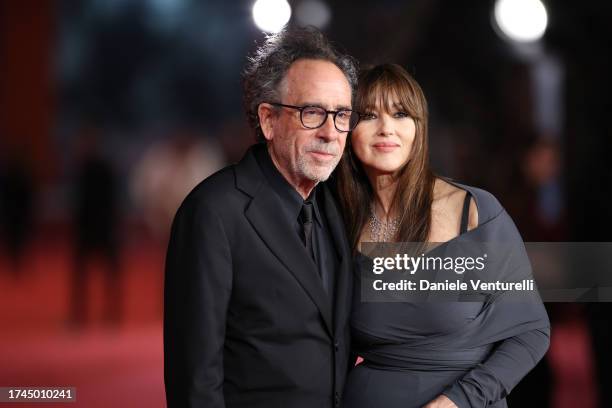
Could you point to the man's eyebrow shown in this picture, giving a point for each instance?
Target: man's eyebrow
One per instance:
(343, 107)
(311, 104)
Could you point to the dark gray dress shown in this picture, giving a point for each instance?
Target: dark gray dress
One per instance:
(473, 352)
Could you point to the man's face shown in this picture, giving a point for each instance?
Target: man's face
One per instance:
(306, 155)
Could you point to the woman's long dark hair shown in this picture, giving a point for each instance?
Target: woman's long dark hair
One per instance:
(379, 87)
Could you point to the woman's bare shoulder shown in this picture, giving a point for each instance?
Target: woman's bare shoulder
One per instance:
(448, 202)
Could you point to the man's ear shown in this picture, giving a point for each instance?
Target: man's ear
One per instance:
(266, 114)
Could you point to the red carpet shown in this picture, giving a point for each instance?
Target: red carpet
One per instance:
(111, 366)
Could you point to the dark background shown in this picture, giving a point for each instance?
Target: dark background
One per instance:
(142, 99)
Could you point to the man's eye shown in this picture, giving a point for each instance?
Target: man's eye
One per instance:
(344, 115)
(313, 112)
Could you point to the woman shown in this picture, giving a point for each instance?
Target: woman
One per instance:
(453, 354)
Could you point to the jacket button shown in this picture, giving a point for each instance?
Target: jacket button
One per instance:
(337, 345)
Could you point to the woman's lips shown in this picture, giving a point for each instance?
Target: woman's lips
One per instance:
(385, 147)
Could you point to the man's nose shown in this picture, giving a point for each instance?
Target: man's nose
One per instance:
(328, 131)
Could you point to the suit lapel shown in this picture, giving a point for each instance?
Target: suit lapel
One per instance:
(278, 236)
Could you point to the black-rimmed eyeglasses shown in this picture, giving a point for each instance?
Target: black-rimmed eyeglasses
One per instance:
(313, 117)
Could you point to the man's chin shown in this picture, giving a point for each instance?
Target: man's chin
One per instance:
(317, 172)
(319, 175)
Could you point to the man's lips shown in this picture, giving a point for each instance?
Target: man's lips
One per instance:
(322, 155)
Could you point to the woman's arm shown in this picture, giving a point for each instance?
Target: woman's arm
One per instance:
(513, 357)
(493, 379)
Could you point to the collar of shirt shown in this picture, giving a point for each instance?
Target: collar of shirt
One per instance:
(291, 199)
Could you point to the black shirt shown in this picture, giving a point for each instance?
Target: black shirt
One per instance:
(291, 205)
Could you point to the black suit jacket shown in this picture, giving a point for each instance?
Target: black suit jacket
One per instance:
(247, 322)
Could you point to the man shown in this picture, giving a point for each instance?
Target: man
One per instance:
(258, 274)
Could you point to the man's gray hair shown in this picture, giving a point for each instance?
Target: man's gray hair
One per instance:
(267, 67)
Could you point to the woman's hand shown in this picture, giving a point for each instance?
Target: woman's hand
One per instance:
(441, 401)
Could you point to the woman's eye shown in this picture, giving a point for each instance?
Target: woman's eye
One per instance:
(401, 115)
(368, 116)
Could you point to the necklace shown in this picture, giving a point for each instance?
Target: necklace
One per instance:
(382, 231)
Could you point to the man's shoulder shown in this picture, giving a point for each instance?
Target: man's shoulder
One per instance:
(215, 191)
(227, 189)
(221, 181)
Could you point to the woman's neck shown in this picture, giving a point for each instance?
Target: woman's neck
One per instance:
(384, 186)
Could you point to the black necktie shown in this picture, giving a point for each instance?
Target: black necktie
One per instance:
(306, 220)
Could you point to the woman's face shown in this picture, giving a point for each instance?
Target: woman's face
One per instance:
(382, 141)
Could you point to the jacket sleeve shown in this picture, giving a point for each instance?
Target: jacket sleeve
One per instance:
(493, 380)
(198, 282)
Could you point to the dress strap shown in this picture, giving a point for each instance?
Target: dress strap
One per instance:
(466, 213)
